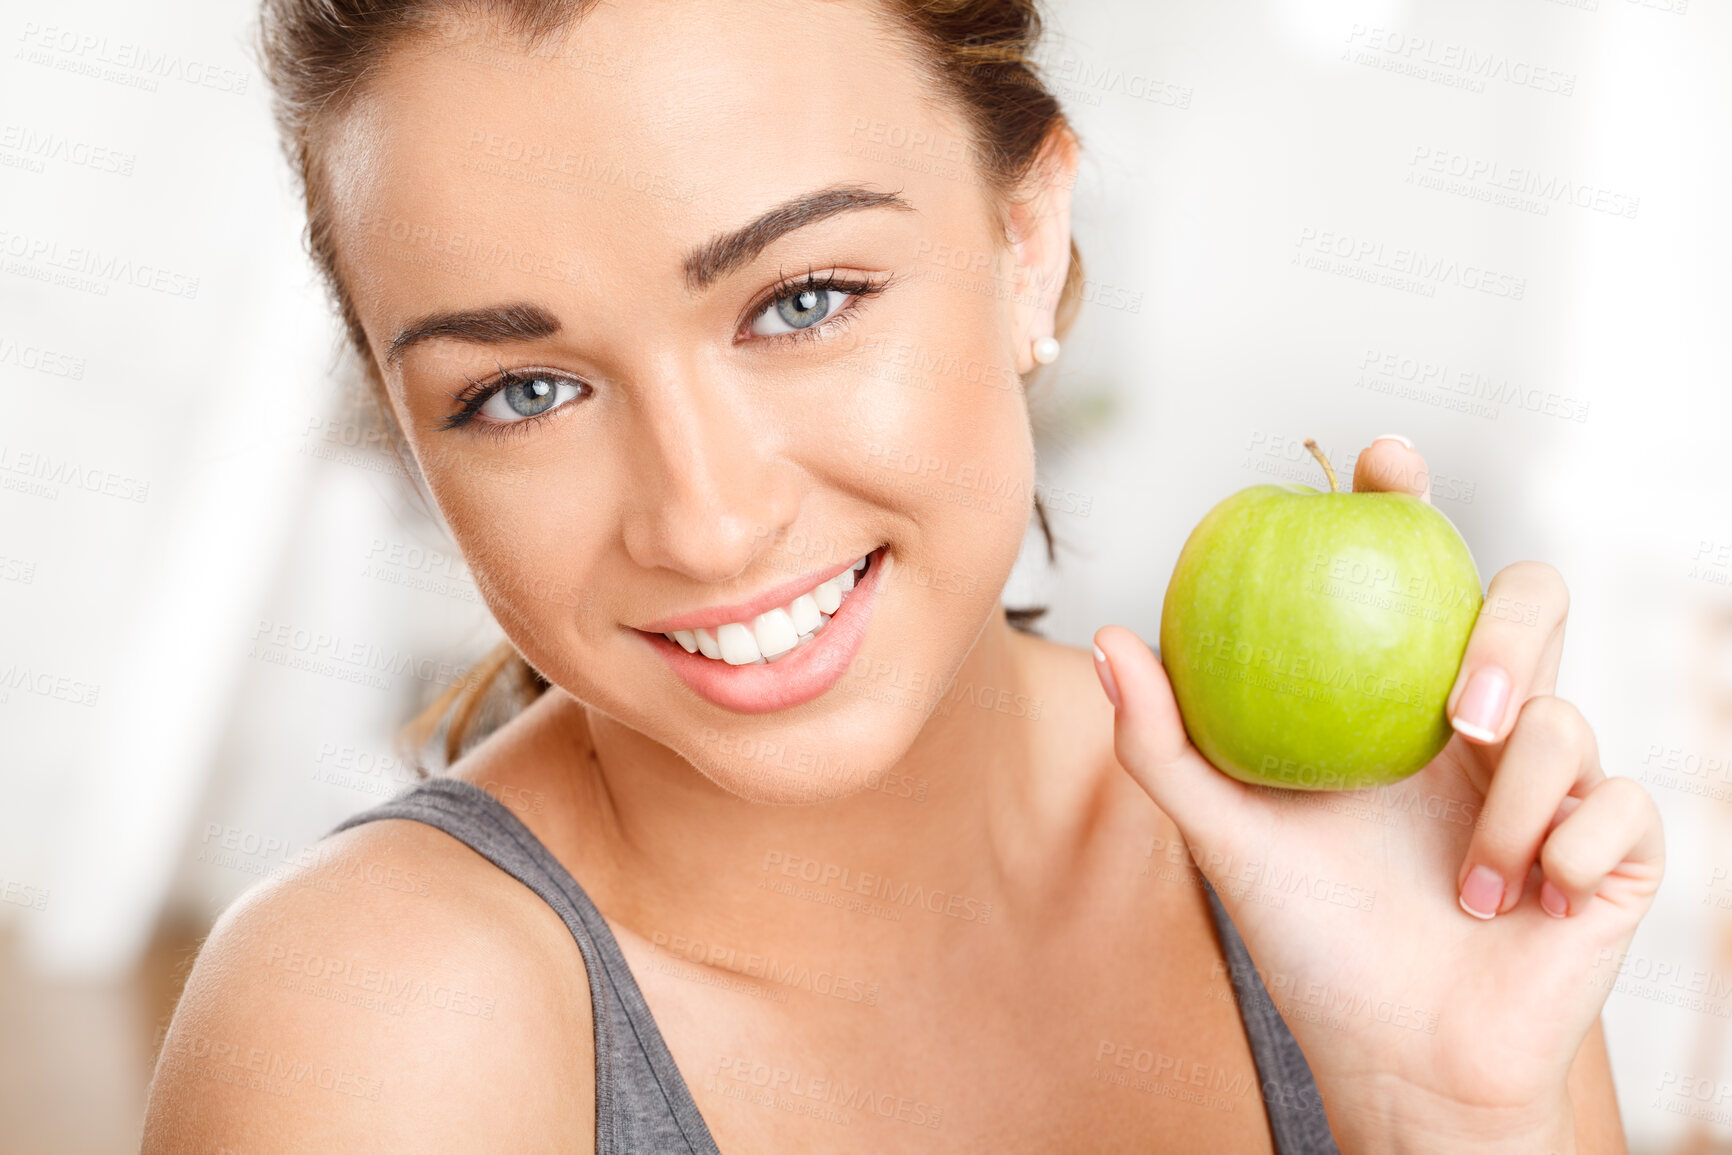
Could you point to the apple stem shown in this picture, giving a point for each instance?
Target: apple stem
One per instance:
(1328, 470)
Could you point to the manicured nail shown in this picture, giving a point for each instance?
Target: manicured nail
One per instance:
(1392, 437)
(1482, 893)
(1552, 900)
(1480, 709)
(1105, 669)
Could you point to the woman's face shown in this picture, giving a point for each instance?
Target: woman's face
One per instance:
(684, 314)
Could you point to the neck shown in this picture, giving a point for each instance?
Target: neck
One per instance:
(954, 815)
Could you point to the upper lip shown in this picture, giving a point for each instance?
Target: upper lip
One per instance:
(712, 616)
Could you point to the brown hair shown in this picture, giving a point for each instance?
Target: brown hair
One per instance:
(319, 54)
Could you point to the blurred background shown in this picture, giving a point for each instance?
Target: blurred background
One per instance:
(1495, 226)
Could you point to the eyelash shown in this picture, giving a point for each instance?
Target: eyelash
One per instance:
(478, 393)
(813, 282)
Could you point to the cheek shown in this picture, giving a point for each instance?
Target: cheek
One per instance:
(529, 549)
(943, 401)
(956, 457)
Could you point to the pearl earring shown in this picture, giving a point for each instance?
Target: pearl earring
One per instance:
(1046, 350)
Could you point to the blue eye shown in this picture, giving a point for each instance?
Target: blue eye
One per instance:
(800, 309)
(527, 397)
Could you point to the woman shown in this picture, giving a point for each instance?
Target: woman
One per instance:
(705, 321)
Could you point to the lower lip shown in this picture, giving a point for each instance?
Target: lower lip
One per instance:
(808, 672)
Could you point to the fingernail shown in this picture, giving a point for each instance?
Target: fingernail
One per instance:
(1392, 437)
(1480, 709)
(1105, 669)
(1482, 893)
(1552, 900)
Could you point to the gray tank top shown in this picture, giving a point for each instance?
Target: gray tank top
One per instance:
(642, 1103)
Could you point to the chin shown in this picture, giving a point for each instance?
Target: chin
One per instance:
(803, 764)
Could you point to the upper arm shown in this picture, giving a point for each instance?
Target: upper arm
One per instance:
(402, 994)
(1599, 1127)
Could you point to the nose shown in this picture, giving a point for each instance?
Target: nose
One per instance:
(709, 488)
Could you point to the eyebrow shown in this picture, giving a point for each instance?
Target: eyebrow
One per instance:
(724, 253)
(499, 325)
(704, 265)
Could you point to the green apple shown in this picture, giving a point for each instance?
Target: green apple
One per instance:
(1312, 638)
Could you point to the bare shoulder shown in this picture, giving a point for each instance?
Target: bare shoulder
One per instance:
(1070, 719)
(400, 993)
(1061, 683)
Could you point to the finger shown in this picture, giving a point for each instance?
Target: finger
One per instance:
(1550, 755)
(1614, 832)
(1392, 465)
(1513, 652)
(1150, 739)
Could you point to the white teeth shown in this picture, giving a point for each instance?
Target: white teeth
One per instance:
(806, 615)
(739, 647)
(827, 596)
(775, 633)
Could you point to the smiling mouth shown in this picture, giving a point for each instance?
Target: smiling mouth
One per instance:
(775, 633)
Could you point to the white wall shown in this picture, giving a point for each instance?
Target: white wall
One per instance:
(1224, 141)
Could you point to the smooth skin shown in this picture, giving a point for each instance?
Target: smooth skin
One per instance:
(1066, 991)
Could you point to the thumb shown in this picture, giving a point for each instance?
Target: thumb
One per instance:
(1150, 739)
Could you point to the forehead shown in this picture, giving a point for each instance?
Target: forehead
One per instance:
(478, 162)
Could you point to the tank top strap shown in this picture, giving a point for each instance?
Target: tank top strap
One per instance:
(642, 1102)
(1290, 1096)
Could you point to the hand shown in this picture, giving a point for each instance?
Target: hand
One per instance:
(1439, 947)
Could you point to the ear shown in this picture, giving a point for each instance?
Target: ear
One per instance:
(1039, 225)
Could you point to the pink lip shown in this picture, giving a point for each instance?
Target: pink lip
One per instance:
(709, 619)
(787, 682)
